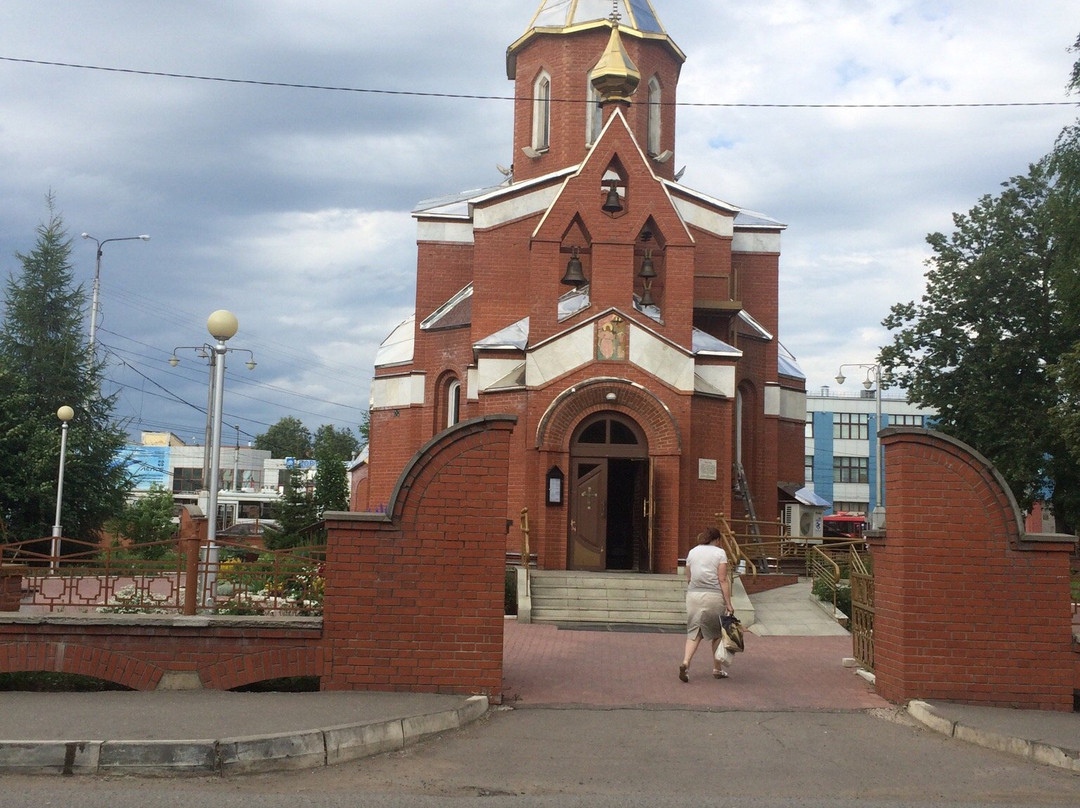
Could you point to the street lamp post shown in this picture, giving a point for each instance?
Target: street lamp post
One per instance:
(222, 326)
(65, 414)
(97, 278)
(877, 521)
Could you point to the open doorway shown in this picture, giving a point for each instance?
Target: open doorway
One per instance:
(610, 499)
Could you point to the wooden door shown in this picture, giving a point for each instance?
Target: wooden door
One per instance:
(587, 547)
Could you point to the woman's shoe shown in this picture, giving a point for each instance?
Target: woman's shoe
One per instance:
(683, 675)
(720, 674)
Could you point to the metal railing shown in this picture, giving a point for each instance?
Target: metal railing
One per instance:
(166, 577)
(829, 568)
(862, 610)
(1074, 588)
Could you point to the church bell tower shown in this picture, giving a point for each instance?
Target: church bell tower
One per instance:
(576, 62)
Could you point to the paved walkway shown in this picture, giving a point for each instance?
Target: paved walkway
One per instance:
(793, 662)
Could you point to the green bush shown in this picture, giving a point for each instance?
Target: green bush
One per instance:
(823, 592)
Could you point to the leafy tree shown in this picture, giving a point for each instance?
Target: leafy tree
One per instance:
(46, 365)
(295, 514)
(287, 438)
(146, 521)
(365, 429)
(1065, 205)
(333, 442)
(331, 483)
(994, 344)
(978, 345)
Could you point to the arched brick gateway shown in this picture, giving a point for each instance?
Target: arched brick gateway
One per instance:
(968, 606)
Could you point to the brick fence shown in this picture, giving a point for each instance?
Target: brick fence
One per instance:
(968, 607)
(147, 652)
(413, 599)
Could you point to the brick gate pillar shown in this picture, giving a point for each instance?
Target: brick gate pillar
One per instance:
(968, 607)
(414, 597)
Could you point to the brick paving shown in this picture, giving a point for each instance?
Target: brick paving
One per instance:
(544, 665)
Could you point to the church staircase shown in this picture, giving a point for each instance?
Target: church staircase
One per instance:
(602, 598)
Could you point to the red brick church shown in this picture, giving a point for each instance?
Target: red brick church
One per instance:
(628, 322)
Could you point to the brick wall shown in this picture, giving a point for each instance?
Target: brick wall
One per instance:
(414, 600)
(968, 607)
(569, 60)
(137, 651)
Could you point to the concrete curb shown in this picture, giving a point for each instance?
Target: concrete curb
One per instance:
(228, 756)
(1030, 750)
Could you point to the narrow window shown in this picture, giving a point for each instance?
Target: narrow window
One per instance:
(654, 116)
(542, 112)
(453, 403)
(594, 115)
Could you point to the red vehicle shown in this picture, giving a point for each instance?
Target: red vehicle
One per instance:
(843, 525)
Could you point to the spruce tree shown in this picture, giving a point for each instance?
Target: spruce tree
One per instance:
(331, 483)
(45, 364)
(294, 514)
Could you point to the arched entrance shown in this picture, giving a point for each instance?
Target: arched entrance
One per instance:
(610, 496)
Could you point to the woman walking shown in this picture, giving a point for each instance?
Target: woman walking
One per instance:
(708, 595)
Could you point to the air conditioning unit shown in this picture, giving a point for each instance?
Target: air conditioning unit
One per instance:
(803, 521)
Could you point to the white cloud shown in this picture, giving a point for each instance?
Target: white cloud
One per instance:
(292, 206)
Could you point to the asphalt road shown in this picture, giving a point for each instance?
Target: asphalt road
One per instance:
(619, 757)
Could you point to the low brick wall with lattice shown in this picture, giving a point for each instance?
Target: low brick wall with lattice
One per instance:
(413, 599)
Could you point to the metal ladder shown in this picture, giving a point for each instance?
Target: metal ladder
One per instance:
(742, 487)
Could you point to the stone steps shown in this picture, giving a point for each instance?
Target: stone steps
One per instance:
(611, 597)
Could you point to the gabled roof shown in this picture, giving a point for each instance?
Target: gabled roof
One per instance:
(460, 205)
(745, 219)
(617, 119)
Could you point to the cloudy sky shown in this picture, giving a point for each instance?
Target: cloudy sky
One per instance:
(291, 206)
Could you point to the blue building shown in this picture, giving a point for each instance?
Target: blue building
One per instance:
(841, 446)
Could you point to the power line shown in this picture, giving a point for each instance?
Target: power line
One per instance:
(478, 97)
(239, 379)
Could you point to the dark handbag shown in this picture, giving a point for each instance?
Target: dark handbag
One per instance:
(733, 629)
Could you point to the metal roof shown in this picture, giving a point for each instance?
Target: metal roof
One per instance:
(636, 14)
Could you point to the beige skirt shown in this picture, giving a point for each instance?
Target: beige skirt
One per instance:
(703, 610)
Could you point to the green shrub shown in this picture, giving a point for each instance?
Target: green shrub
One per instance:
(823, 592)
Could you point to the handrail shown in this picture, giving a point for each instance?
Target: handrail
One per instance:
(819, 566)
(734, 552)
(525, 552)
(857, 563)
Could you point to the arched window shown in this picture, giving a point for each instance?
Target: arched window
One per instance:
(654, 116)
(542, 112)
(453, 403)
(594, 115)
